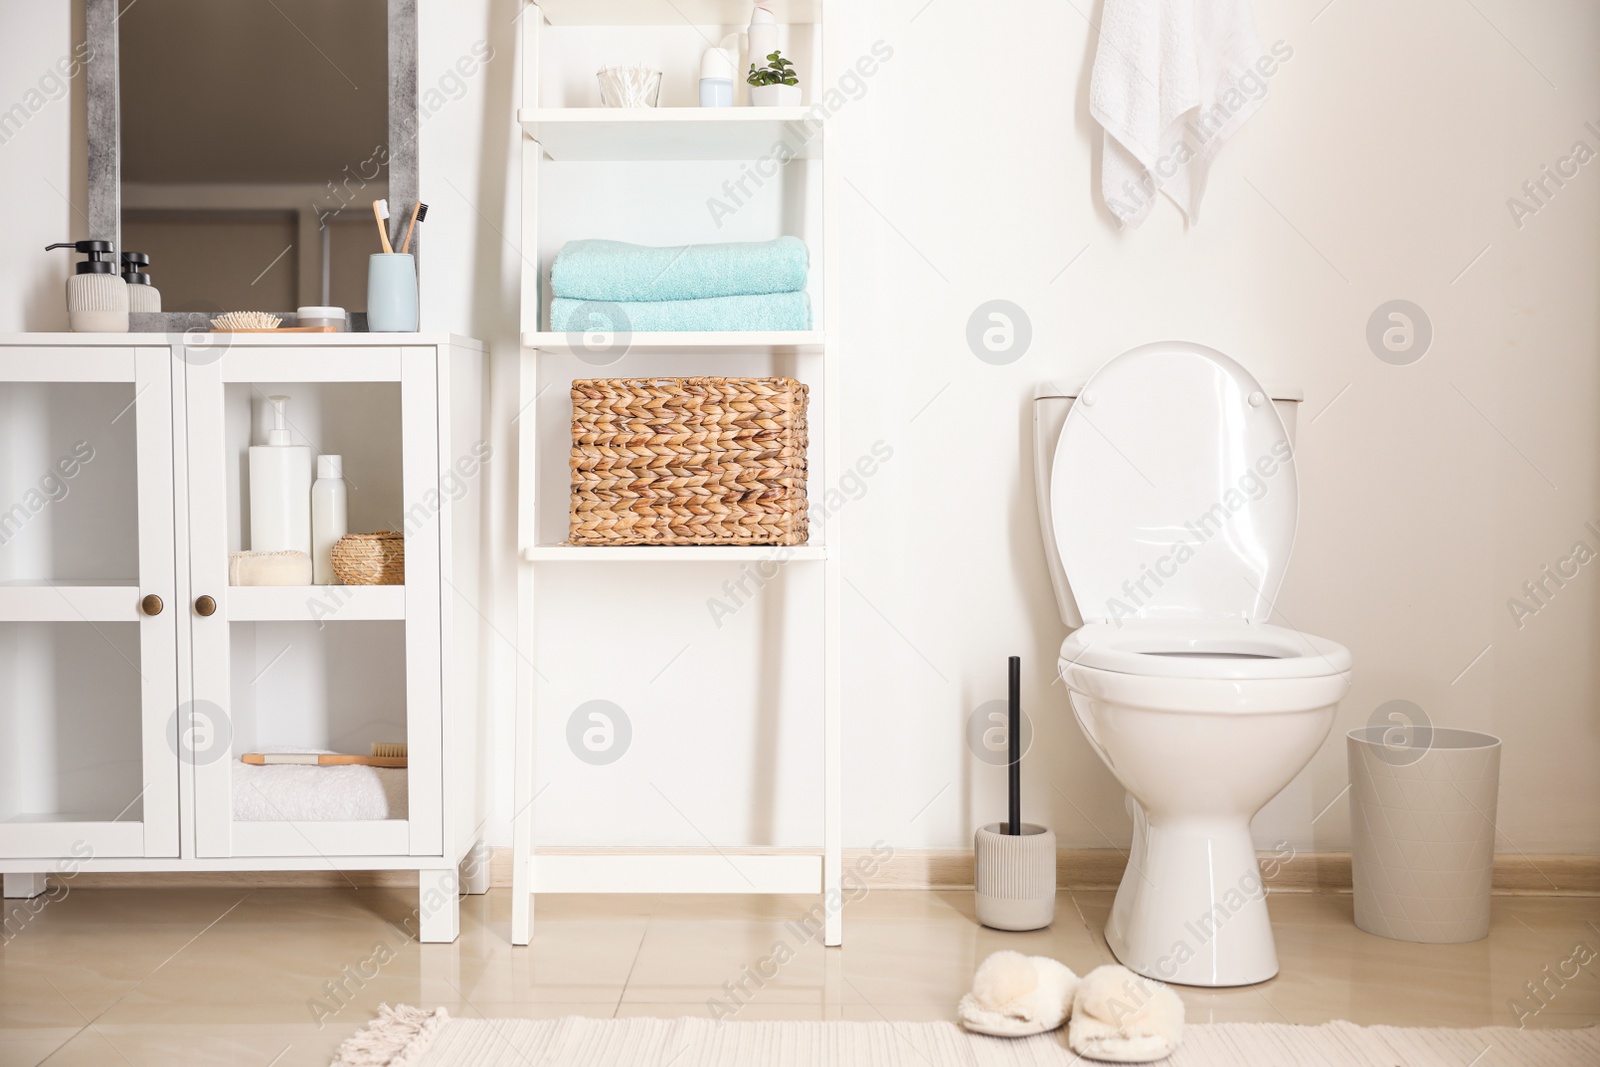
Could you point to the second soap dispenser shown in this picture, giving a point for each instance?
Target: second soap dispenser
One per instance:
(280, 488)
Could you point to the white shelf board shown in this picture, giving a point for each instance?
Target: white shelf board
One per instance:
(664, 553)
(315, 603)
(571, 134)
(671, 12)
(733, 343)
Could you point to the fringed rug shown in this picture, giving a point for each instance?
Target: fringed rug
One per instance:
(413, 1037)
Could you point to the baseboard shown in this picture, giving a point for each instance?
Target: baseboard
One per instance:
(1077, 868)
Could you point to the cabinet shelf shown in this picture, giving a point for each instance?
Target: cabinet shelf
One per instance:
(665, 553)
(732, 343)
(315, 603)
(669, 12)
(569, 134)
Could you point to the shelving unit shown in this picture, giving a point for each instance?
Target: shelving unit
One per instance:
(672, 136)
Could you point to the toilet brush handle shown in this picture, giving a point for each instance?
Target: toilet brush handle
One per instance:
(1014, 743)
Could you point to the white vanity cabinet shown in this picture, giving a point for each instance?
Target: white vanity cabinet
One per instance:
(134, 675)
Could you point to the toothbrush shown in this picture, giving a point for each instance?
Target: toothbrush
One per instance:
(380, 211)
(418, 214)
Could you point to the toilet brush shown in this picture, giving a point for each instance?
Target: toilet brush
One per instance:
(1014, 862)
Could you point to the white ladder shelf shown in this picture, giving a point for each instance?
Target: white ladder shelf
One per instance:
(559, 134)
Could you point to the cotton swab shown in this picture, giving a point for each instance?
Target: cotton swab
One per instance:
(418, 214)
(380, 211)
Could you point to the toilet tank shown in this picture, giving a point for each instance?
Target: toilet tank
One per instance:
(1051, 402)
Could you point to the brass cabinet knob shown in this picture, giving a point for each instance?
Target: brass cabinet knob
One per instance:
(151, 605)
(205, 605)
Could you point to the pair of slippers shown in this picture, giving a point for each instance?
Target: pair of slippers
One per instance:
(1116, 1016)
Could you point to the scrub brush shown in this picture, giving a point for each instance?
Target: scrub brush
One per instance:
(384, 754)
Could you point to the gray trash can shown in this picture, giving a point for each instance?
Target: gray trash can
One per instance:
(1422, 810)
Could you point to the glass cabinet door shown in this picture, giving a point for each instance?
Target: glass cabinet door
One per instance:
(306, 667)
(89, 707)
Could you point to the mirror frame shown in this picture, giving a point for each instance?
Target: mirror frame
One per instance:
(105, 138)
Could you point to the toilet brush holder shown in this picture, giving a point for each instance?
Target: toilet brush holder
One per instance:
(1014, 871)
(1015, 877)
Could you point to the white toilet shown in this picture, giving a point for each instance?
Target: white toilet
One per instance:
(1168, 499)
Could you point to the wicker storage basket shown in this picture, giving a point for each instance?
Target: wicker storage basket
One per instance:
(371, 558)
(688, 461)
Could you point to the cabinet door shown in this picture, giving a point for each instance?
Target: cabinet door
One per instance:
(88, 632)
(316, 668)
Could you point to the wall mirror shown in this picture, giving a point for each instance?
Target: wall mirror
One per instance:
(240, 144)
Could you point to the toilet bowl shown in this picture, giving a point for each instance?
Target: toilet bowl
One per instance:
(1169, 503)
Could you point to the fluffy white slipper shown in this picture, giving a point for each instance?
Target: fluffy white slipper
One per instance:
(1016, 996)
(1119, 1017)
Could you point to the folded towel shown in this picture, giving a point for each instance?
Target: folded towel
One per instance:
(773, 311)
(612, 270)
(317, 794)
(1015, 995)
(1119, 1017)
(269, 568)
(1173, 80)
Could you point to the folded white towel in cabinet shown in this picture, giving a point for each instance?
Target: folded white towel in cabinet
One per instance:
(269, 568)
(317, 794)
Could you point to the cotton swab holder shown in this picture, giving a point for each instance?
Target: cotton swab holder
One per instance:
(1015, 862)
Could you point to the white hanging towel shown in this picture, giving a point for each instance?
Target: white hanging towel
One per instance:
(1172, 81)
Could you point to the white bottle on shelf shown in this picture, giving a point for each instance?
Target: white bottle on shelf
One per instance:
(761, 40)
(280, 488)
(329, 517)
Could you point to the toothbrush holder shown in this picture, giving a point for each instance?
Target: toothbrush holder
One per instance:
(392, 293)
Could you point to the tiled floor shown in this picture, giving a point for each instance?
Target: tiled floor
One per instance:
(280, 977)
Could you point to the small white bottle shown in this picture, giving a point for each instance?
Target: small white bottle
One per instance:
(762, 38)
(330, 518)
(280, 488)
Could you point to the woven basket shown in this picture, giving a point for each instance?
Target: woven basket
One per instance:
(688, 461)
(371, 558)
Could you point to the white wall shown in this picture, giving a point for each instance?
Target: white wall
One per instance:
(1379, 169)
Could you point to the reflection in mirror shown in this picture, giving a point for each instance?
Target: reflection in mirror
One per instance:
(246, 126)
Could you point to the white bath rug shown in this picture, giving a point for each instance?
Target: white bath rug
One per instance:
(413, 1037)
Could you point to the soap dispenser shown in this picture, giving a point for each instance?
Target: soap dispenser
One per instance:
(142, 296)
(280, 488)
(97, 297)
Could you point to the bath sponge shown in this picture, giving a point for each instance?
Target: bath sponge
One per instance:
(1015, 995)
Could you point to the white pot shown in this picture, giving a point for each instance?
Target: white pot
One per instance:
(774, 96)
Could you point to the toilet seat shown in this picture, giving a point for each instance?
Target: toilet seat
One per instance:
(1203, 650)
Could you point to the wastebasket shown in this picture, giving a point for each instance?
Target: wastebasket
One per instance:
(1422, 816)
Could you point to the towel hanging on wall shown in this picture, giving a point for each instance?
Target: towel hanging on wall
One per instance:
(1172, 81)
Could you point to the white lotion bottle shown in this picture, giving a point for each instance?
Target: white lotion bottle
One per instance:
(761, 40)
(280, 488)
(330, 517)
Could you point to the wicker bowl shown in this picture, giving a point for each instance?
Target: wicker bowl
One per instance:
(371, 558)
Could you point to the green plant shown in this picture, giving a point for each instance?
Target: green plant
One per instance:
(778, 71)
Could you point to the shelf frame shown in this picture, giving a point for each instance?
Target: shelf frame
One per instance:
(562, 134)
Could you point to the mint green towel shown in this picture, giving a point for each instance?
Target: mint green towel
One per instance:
(612, 270)
(773, 311)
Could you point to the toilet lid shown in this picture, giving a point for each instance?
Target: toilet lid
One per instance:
(1173, 491)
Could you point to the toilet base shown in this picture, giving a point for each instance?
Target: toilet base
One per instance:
(1192, 908)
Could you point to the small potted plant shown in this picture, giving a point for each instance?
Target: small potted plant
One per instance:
(774, 85)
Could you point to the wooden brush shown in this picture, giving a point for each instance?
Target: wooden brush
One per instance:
(384, 754)
(314, 759)
(380, 211)
(418, 214)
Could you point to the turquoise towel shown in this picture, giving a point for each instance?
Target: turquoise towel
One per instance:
(612, 270)
(774, 311)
